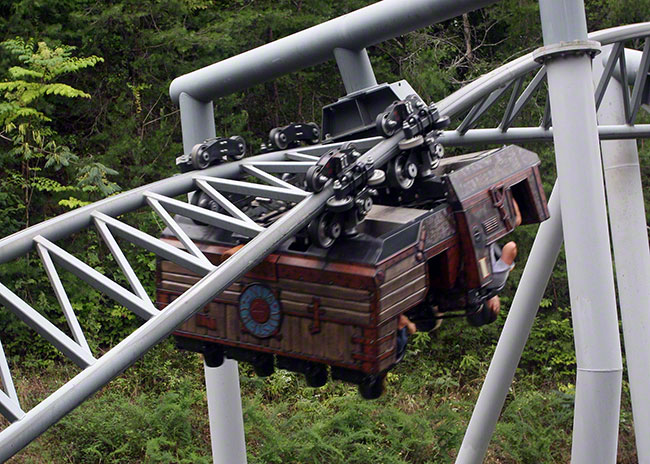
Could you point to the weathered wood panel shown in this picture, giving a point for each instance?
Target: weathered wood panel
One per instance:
(324, 290)
(402, 293)
(402, 279)
(401, 306)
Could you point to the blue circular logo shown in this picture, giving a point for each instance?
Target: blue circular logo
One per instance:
(260, 311)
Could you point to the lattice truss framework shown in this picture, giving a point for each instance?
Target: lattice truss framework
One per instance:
(517, 84)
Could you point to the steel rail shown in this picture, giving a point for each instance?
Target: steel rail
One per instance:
(353, 31)
(73, 393)
(34, 422)
(469, 95)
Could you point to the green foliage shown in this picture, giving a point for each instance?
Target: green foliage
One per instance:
(33, 146)
(71, 122)
(152, 428)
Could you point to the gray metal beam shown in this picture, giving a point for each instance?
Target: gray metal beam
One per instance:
(248, 188)
(525, 97)
(66, 224)
(225, 413)
(224, 202)
(223, 221)
(97, 280)
(535, 134)
(355, 68)
(9, 408)
(157, 246)
(468, 95)
(290, 167)
(269, 179)
(45, 328)
(62, 297)
(177, 230)
(197, 121)
(354, 31)
(300, 157)
(5, 376)
(607, 71)
(640, 81)
(117, 253)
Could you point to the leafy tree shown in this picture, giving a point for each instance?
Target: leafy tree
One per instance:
(34, 156)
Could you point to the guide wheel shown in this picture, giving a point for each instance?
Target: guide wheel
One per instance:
(241, 144)
(315, 131)
(200, 156)
(203, 200)
(324, 230)
(402, 172)
(372, 386)
(278, 138)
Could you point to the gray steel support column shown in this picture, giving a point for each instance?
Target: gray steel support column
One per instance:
(631, 255)
(355, 68)
(197, 121)
(513, 338)
(225, 413)
(585, 229)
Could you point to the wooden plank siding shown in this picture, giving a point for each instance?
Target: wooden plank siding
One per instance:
(358, 306)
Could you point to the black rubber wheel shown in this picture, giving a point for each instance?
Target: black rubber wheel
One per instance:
(242, 147)
(203, 200)
(382, 125)
(315, 130)
(200, 156)
(482, 317)
(313, 179)
(263, 364)
(324, 230)
(278, 138)
(316, 375)
(372, 386)
(399, 173)
(213, 355)
(340, 206)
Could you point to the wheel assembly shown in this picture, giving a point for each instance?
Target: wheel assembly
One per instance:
(200, 156)
(203, 200)
(372, 386)
(241, 148)
(315, 132)
(316, 375)
(481, 316)
(324, 230)
(402, 172)
(315, 181)
(278, 138)
(263, 364)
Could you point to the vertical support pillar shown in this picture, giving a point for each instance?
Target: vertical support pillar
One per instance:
(631, 255)
(516, 331)
(355, 68)
(225, 413)
(585, 229)
(197, 121)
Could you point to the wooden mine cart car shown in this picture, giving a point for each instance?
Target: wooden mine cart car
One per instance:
(304, 309)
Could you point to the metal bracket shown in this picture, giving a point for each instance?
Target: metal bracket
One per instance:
(577, 47)
(315, 328)
(498, 195)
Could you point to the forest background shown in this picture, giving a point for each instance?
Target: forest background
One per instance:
(85, 113)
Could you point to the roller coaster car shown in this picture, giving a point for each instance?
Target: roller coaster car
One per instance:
(308, 307)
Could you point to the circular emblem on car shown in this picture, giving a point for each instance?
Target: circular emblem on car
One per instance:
(260, 311)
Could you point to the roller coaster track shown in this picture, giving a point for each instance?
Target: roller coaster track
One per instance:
(500, 96)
